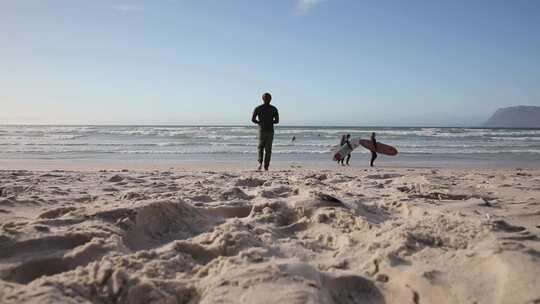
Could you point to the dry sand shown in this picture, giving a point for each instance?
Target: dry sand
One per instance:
(288, 236)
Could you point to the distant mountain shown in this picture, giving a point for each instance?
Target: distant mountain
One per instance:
(515, 117)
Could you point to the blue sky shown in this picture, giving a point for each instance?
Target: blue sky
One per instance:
(355, 62)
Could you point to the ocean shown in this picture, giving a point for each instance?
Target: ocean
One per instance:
(417, 146)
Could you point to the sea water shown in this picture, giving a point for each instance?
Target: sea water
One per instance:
(417, 145)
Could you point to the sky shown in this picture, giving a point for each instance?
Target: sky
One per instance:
(353, 62)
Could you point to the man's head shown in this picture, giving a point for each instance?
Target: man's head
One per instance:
(373, 134)
(348, 136)
(266, 98)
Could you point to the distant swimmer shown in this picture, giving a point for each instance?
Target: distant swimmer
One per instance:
(373, 152)
(345, 141)
(293, 139)
(265, 116)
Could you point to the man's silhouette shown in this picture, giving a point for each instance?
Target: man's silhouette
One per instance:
(265, 116)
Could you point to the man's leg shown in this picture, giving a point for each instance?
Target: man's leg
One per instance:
(348, 158)
(260, 147)
(269, 138)
(373, 157)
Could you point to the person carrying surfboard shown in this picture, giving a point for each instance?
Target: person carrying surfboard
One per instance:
(373, 152)
(265, 116)
(345, 140)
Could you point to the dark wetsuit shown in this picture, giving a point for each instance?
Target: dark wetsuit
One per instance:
(373, 153)
(344, 141)
(265, 116)
(348, 155)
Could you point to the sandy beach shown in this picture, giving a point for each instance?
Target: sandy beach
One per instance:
(293, 235)
(397, 143)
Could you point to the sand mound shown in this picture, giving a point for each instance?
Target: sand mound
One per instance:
(204, 198)
(116, 179)
(279, 191)
(236, 209)
(56, 212)
(106, 282)
(383, 176)
(226, 240)
(132, 196)
(249, 182)
(296, 282)
(235, 193)
(275, 212)
(161, 222)
(30, 270)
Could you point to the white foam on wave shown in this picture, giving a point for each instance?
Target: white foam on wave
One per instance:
(243, 140)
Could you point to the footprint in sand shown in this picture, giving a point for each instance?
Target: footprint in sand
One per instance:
(279, 191)
(203, 198)
(115, 179)
(12, 248)
(56, 212)
(235, 193)
(501, 225)
(249, 182)
(383, 176)
(50, 256)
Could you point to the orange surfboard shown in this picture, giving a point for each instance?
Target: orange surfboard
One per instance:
(381, 148)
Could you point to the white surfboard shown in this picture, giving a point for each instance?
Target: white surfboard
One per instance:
(344, 150)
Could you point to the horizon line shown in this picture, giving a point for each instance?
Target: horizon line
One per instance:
(253, 125)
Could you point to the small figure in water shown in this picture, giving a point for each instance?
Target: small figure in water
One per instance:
(345, 141)
(373, 152)
(293, 139)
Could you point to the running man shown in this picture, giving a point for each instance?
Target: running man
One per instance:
(265, 116)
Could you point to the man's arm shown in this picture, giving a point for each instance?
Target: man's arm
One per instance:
(254, 117)
(276, 116)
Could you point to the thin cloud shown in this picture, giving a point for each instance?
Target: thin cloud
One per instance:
(128, 8)
(305, 5)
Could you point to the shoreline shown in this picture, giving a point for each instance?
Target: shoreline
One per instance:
(279, 161)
